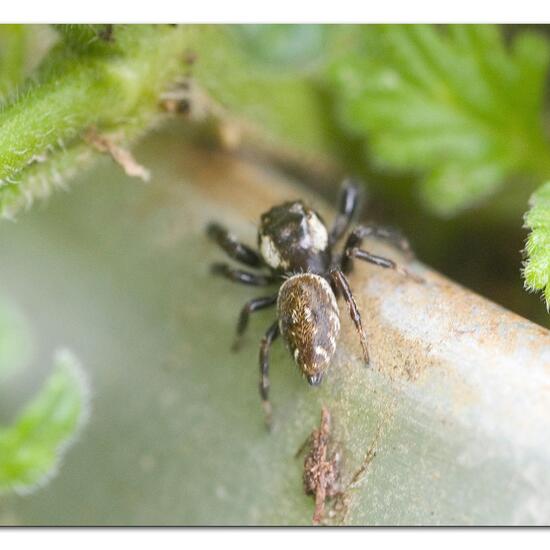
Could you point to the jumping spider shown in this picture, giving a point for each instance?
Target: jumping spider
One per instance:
(298, 252)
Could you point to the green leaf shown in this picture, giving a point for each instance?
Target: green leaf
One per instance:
(455, 105)
(537, 268)
(15, 339)
(31, 448)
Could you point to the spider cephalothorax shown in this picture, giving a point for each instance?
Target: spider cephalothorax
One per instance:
(293, 238)
(297, 251)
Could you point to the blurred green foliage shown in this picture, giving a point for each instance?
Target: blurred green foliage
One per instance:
(31, 447)
(267, 75)
(455, 105)
(13, 45)
(294, 48)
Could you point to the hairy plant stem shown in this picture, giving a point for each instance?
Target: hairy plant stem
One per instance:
(114, 87)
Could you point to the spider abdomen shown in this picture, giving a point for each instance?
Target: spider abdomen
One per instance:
(309, 322)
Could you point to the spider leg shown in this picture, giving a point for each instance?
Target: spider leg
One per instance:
(380, 261)
(393, 236)
(234, 249)
(265, 346)
(250, 307)
(342, 285)
(240, 276)
(353, 250)
(349, 202)
(390, 234)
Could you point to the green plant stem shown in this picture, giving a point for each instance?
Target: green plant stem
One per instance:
(114, 87)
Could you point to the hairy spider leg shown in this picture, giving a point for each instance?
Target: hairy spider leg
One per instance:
(265, 346)
(251, 306)
(390, 234)
(232, 247)
(342, 285)
(347, 209)
(352, 248)
(240, 276)
(380, 261)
